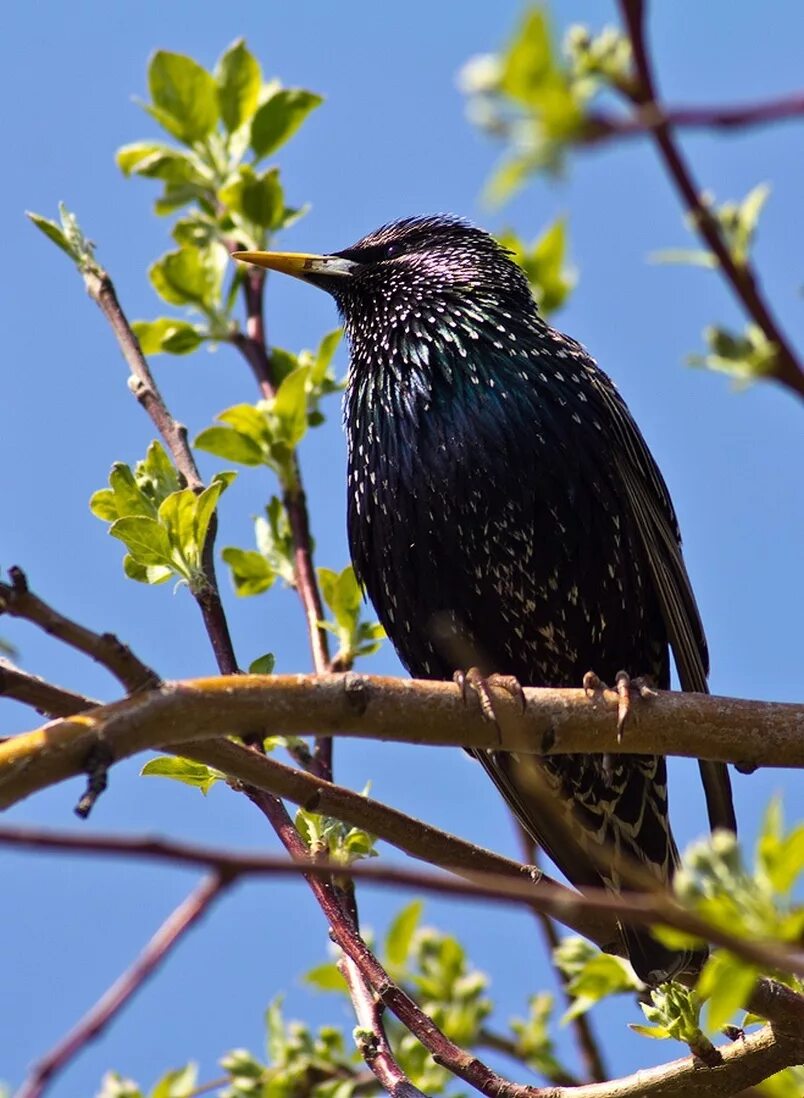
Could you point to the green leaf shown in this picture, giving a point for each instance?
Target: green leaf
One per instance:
(257, 198)
(145, 539)
(161, 162)
(543, 262)
(290, 406)
(726, 982)
(156, 476)
(326, 977)
(205, 504)
(780, 857)
(52, 232)
(247, 419)
(184, 95)
(400, 933)
(275, 541)
(251, 572)
(746, 357)
(129, 156)
(591, 975)
(152, 574)
(176, 337)
(279, 117)
(183, 770)
(180, 1083)
(230, 445)
(263, 665)
(189, 276)
(239, 80)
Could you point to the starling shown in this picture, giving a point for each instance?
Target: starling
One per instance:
(504, 511)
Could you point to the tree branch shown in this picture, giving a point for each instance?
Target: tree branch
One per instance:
(101, 289)
(587, 1043)
(602, 127)
(499, 885)
(556, 721)
(47, 698)
(254, 348)
(18, 601)
(120, 993)
(788, 369)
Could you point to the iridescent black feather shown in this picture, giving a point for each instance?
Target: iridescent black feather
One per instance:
(504, 511)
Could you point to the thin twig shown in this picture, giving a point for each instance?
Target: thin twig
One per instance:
(370, 1035)
(19, 601)
(782, 1005)
(788, 370)
(254, 348)
(45, 697)
(444, 1051)
(601, 127)
(101, 289)
(120, 993)
(588, 1045)
(541, 895)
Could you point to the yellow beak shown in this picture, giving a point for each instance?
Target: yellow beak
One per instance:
(299, 264)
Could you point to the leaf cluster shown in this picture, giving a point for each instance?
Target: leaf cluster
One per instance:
(163, 525)
(544, 262)
(537, 97)
(226, 122)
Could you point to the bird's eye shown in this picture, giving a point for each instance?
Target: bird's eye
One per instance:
(391, 250)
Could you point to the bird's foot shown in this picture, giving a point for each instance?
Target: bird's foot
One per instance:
(474, 680)
(626, 688)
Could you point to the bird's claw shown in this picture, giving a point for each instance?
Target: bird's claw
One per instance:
(625, 688)
(481, 684)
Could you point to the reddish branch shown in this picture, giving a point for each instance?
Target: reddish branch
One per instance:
(123, 989)
(101, 289)
(601, 127)
(741, 277)
(254, 348)
(18, 601)
(585, 1039)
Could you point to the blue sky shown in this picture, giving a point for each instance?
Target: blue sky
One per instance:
(391, 140)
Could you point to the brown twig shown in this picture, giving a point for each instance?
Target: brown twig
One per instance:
(788, 370)
(45, 697)
(254, 348)
(101, 289)
(17, 600)
(601, 127)
(120, 993)
(390, 995)
(783, 1006)
(587, 1043)
(542, 895)
(370, 1035)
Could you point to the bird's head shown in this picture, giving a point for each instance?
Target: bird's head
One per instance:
(414, 278)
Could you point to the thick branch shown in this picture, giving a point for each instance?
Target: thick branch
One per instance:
(556, 721)
(101, 289)
(120, 993)
(787, 369)
(17, 600)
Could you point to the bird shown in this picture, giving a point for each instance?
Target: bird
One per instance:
(506, 517)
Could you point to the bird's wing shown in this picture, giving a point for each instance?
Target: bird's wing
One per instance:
(658, 529)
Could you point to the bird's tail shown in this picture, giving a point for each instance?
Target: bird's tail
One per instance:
(604, 823)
